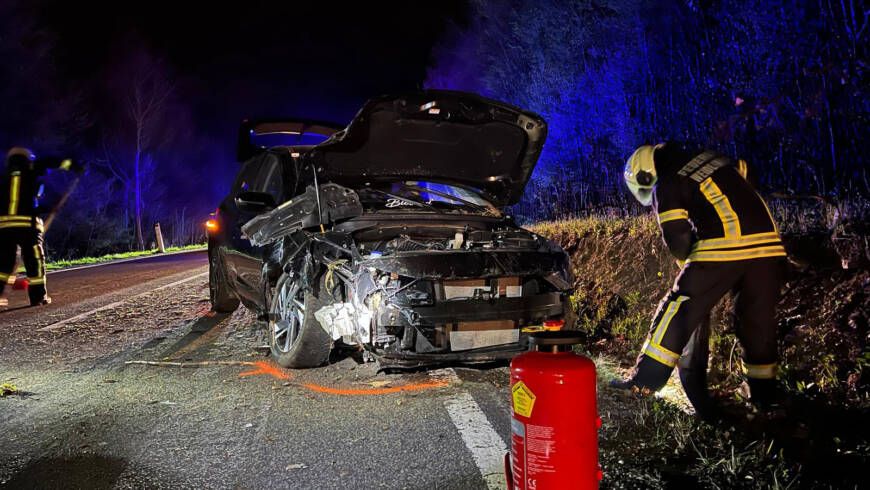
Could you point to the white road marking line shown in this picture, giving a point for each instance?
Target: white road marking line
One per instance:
(57, 325)
(486, 446)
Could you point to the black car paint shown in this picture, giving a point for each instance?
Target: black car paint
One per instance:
(255, 249)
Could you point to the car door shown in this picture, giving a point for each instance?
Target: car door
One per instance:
(244, 262)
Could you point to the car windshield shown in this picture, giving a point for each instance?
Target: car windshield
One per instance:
(270, 140)
(413, 195)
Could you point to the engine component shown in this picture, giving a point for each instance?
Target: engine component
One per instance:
(338, 321)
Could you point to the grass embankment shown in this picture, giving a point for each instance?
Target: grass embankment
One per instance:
(63, 264)
(623, 270)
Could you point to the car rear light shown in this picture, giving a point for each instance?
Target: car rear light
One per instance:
(554, 324)
(211, 225)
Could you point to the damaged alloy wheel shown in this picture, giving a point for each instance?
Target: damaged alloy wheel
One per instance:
(296, 338)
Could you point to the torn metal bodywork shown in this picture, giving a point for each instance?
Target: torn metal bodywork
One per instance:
(336, 203)
(393, 231)
(466, 296)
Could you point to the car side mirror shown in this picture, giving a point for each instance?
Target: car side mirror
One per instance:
(255, 202)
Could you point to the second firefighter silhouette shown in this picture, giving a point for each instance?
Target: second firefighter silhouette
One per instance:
(717, 225)
(20, 224)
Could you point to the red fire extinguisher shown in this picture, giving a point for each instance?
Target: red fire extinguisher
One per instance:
(554, 428)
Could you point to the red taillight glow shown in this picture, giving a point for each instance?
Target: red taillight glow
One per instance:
(211, 225)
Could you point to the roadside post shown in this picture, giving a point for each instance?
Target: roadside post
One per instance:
(160, 247)
(555, 422)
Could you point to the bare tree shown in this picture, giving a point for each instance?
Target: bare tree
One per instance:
(144, 91)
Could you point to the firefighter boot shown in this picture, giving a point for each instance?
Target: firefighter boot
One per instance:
(763, 393)
(649, 376)
(694, 383)
(46, 300)
(4, 302)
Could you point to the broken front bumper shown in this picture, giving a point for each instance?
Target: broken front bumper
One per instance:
(476, 356)
(526, 310)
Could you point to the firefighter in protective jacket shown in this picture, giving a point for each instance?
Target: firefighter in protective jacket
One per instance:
(20, 224)
(720, 229)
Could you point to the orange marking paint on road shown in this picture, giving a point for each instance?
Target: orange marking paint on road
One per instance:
(267, 368)
(375, 391)
(277, 372)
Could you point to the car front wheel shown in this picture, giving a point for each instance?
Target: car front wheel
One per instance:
(222, 300)
(296, 338)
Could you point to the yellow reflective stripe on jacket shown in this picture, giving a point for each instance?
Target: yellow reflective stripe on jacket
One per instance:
(760, 371)
(672, 215)
(730, 223)
(36, 280)
(18, 217)
(66, 164)
(743, 254)
(744, 241)
(19, 221)
(4, 277)
(14, 190)
(742, 168)
(669, 315)
(661, 354)
(20, 224)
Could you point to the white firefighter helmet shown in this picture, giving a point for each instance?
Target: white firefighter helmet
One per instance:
(640, 173)
(19, 151)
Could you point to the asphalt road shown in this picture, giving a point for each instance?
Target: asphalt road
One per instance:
(85, 417)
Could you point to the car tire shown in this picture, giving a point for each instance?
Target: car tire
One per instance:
(296, 338)
(222, 299)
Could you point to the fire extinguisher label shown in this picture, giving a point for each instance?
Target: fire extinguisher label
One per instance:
(541, 450)
(524, 399)
(518, 454)
(518, 428)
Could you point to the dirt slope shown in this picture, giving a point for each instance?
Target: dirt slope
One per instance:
(623, 270)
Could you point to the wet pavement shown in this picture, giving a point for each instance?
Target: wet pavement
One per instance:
(209, 409)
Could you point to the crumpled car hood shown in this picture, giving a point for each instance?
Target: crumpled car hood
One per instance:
(437, 135)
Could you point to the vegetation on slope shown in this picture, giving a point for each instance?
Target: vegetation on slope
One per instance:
(623, 270)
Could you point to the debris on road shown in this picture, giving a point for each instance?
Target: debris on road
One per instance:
(191, 364)
(7, 389)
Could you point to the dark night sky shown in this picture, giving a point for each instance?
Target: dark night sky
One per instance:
(317, 60)
(313, 59)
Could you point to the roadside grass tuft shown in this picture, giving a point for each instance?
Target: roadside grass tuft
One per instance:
(650, 442)
(63, 264)
(7, 389)
(622, 271)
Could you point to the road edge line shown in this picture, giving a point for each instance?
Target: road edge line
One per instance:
(485, 445)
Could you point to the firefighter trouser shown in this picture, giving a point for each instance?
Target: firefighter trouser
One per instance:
(693, 370)
(33, 255)
(755, 284)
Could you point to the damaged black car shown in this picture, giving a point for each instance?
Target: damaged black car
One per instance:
(389, 235)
